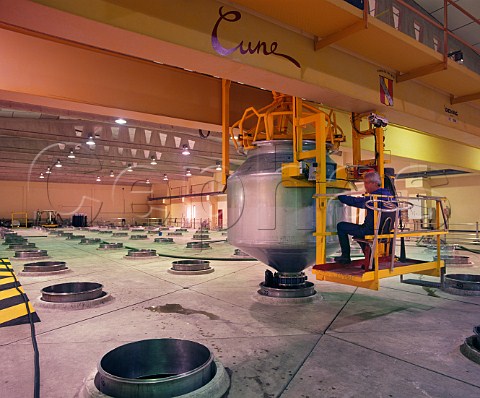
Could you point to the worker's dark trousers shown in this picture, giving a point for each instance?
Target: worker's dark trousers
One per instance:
(347, 228)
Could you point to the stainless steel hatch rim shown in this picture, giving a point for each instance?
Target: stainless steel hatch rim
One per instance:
(72, 292)
(462, 284)
(44, 266)
(155, 367)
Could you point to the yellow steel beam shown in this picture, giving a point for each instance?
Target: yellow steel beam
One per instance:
(339, 35)
(380, 160)
(321, 186)
(421, 71)
(464, 98)
(409, 234)
(370, 279)
(80, 74)
(372, 285)
(297, 128)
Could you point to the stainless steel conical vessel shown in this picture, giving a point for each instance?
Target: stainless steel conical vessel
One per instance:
(273, 223)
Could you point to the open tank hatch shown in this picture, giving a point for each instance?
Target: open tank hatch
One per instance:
(161, 368)
(191, 267)
(462, 284)
(141, 254)
(29, 254)
(45, 266)
(72, 292)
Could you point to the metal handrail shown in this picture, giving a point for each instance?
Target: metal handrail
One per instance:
(444, 27)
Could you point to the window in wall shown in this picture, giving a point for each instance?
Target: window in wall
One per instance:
(396, 16)
(372, 5)
(436, 44)
(418, 30)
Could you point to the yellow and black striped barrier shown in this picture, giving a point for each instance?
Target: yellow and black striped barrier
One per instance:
(13, 310)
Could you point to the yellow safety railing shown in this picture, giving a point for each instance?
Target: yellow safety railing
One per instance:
(23, 216)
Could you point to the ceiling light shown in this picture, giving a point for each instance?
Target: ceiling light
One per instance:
(219, 166)
(188, 173)
(71, 155)
(49, 170)
(129, 168)
(90, 140)
(185, 150)
(165, 177)
(147, 181)
(111, 173)
(120, 121)
(58, 164)
(153, 162)
(41, 175)
(98, 179)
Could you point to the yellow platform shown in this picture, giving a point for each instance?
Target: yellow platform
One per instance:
(354, 275)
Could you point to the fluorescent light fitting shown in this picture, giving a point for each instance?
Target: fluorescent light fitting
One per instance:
(58, 164)
(90, 140)
(120, 121)
(41, 175)
(71, 155)
(153, 162)
(185, 150)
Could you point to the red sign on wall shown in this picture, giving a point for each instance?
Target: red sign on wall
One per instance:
(386, 91)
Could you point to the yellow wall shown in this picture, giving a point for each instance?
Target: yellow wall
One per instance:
(101, 203)
(180, 213)
(462, 192)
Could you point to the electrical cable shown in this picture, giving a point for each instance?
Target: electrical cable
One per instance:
(36, 358)
(469, 250)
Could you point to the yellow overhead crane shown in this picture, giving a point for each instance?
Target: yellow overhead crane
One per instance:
(291, 118)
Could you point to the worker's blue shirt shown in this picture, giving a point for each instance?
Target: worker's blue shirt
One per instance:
(359, 201)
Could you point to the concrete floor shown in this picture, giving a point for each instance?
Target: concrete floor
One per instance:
(401, 341)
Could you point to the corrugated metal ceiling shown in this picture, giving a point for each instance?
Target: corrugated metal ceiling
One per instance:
(458, 23)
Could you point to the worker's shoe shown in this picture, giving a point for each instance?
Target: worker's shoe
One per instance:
(342, 260)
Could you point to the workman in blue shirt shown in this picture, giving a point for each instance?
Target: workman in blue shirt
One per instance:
(373, 185)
